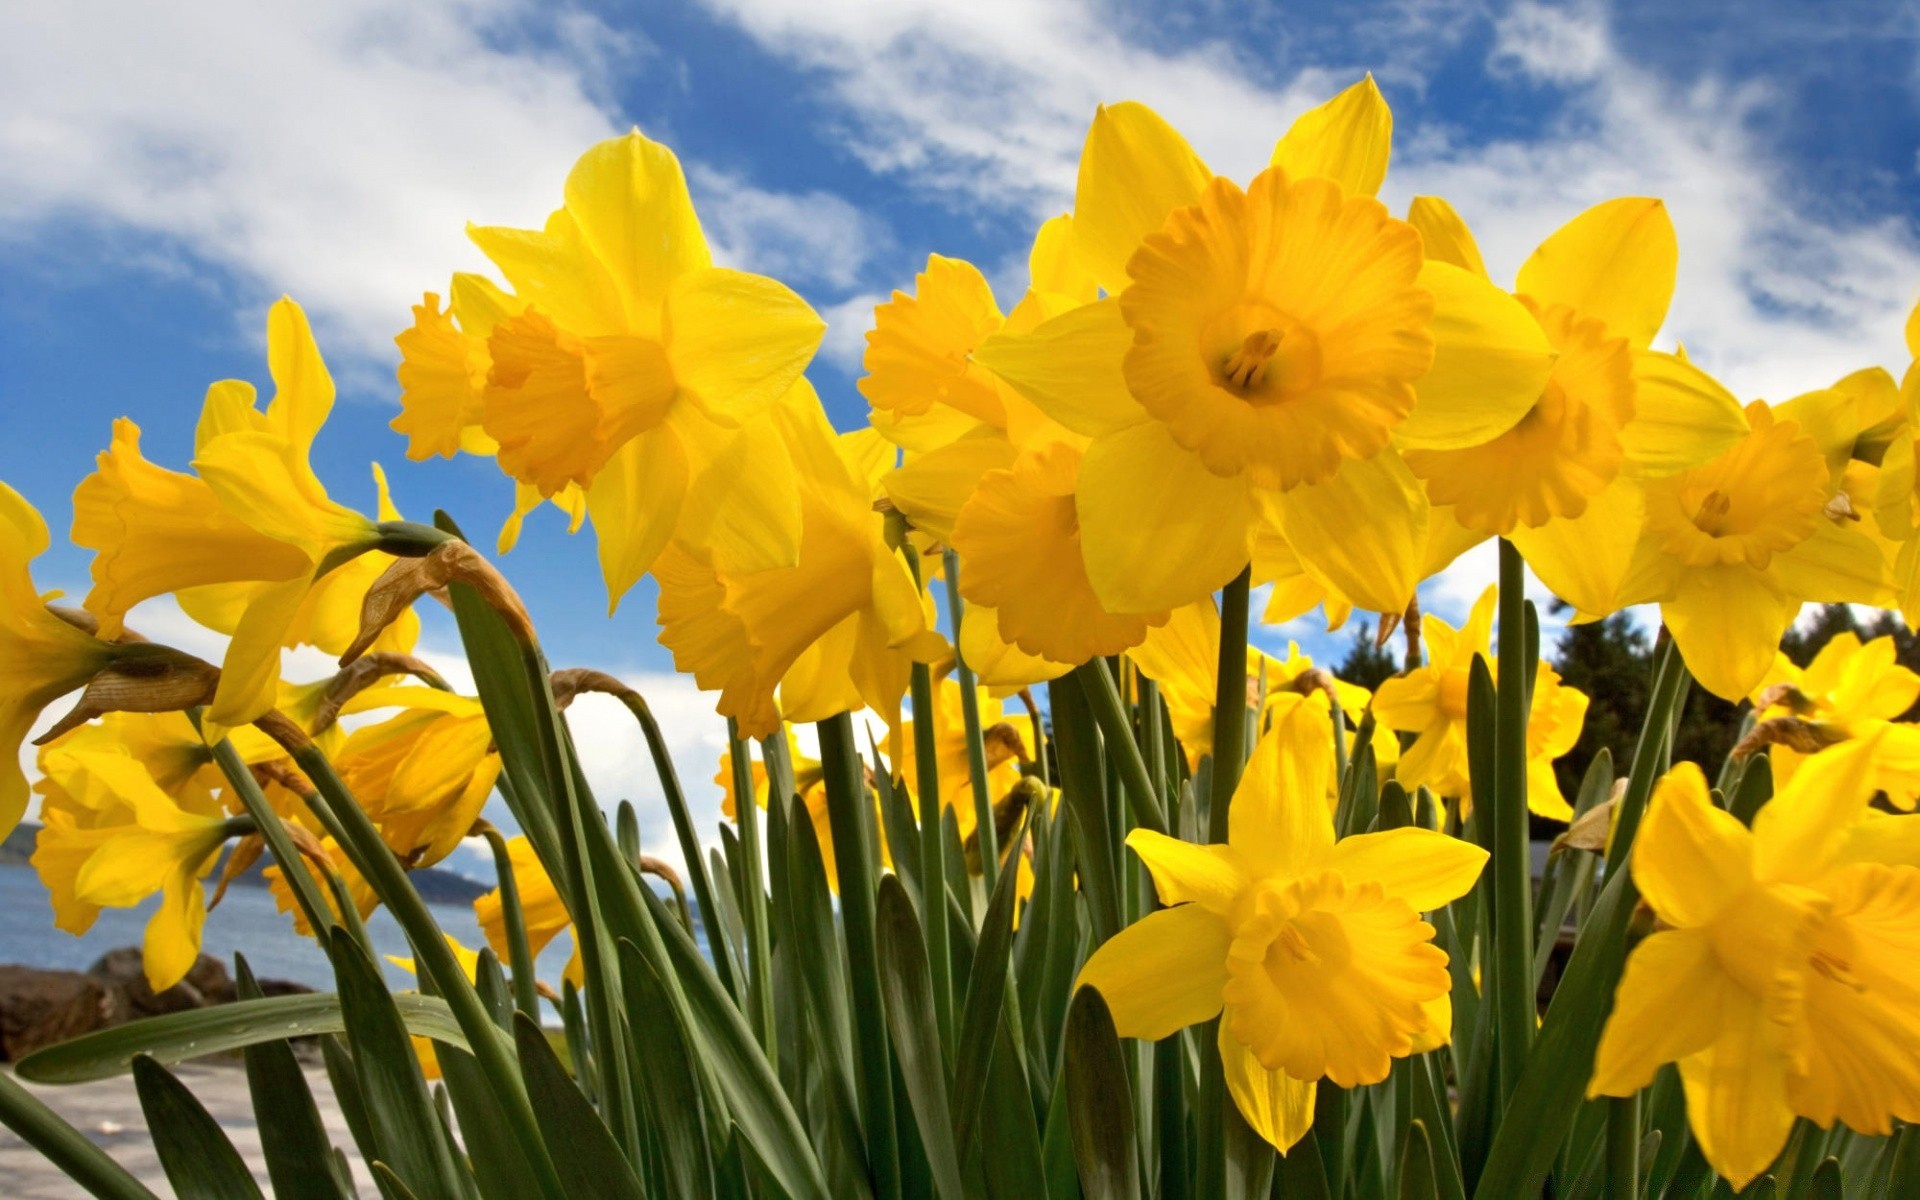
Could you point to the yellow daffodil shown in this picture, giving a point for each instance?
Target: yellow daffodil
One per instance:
(252, 545)
(1258, 360)
(1782, 978)
(1849, 690)
(541, 909)
(835, 632)
(1731, 549)
(111, 838)
(1897, 497)
(1311, 950)
(42, 657)
(1007, 737)
(469, 960)
(326, 857)
(810, 780)
(443, 372)
(1564, 484)
(623, 362)
(1431, 703)
(424, 774)
(1297, 588)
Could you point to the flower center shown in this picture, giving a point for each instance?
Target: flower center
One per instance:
(1711, 516)
(1245, 366)
(1763, 496)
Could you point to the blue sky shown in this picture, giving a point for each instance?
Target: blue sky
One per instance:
(169, 170)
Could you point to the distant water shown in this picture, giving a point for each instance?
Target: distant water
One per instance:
(246, 921)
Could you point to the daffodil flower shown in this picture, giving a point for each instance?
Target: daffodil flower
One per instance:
(1849, 690)
(835, 632)
(1259, 358)
(1564, 483)
(542, 910)
(1431, 703)
(1311, 950)
(1782, 977)
(111, 838)
(424, 774)
(1896, 498)
(1732, 548)
(810, 784)
(624, 363)
(42, 657)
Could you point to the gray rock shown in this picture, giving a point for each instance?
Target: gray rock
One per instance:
(122, 971)
(39, 1008)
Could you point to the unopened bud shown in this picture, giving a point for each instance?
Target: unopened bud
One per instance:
(361, 674)
(572, 681)
(1590, 830)
(143, 678)
(1795, 733)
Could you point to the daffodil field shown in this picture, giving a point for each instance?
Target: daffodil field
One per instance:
(1035, 878)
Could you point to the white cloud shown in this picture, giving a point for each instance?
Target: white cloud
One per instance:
(847, 323)
(336, 151)
(804, 238)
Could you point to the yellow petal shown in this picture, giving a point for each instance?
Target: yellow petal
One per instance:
(264, 479)
(303, 391)
(1669, 1005)
(743, 504)
(997, 663)
(629, 199)
(1424, 868)
(1209, 876)
(1372, 562)
(172, 943)
(1134, 170)
(1692, 858)
(1831, 417)
(228, 408)
(1584, 560)
(1615, 261)
(1162, 973)
(1838, 564)
(1445, 234)
(1804, 827)
(1490, 361)
(554, 270)
(1051, 265)
(1682, 416)
(250, 673)
(738, 341)
(635, 503)
(932, 488)
(1158, 529)
(1347, 140)
(1280, 823)
(1727, 621)
(1737, 1092)
(1275, 1105)
(1070, 368)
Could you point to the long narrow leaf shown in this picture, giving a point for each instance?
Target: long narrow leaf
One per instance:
(199, 1160)
(908, 997)
(1100, 1102)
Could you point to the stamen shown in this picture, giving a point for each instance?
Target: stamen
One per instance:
(1243, 366)
(1713, 510)
(1295, 945)
(1836, 970)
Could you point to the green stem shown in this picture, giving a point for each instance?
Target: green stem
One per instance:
(848, 812)
(1514, 1011)
(1103, 696)
(293, 865)
(64, 1146)
(976, 745)
(389, 881)
(746, 810)
(1623, 1148)
(526, 992)
(933, 857)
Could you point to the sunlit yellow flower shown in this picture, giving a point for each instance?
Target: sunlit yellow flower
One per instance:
(624, 363)
(1897, 499)
(1564, 483)
(1431, 702)
(111, 838)
(1311, 950)
(336, 862)
(835, 632)
(41, 656)
(1783, 977)
(424, 774)
(1849, 690)
(542, 910)
(1259, 353)
(1731, 549)
(250, 544)
(443, 371)
(1007, 738)
(1297, 588)
(810, 781)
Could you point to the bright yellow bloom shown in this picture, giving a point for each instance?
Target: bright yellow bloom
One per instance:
(358, 890)
(835, 632)
(1897, 502)
(1297, 589)
(1314, 948)
(248, 545)
(1564, 484)
(1849, 690)
(111, 839)
(1783, 978)
(1258, 358)
(1431, 702)
(1006, 735)
(624, 363)
(41, 656)
(424, 774)
(443, 371)
(1731, 549)
(542, 910)
(810, 779)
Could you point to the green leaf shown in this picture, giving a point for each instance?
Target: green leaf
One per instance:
(1100, 1102)
(199, 1160)
(344, 1078)
(584, 1151)
(1083, 792)
(69, 1150)
(1009, 1143)
(986, 998)
(1825, 1183)
(176, 1037)
(1417, 1180)
(672, 1089)
(1754, 789)
(907, 992)
(404, 1125)
(499, 1167)
(293, 1140)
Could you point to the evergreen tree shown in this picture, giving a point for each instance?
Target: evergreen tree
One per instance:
(1367, 663)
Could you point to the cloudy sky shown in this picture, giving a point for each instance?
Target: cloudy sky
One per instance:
(166, 171)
